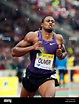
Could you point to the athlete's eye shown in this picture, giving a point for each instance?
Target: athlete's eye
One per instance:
(48, 20)
(51, 21)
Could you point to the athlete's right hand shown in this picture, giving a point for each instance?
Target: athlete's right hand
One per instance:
(37, 45)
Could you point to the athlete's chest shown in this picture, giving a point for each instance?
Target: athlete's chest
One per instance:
(47, 46)
(50, 46)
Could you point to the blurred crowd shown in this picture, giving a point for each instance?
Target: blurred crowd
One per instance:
(14, 25)
(65, 12)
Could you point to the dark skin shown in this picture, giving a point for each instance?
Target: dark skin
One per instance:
(30, 42)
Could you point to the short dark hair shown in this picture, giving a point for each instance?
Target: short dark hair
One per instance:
(45, 17)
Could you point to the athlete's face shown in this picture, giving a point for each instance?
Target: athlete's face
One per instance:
(48, 24)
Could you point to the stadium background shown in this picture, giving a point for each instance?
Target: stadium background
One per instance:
(17, 17)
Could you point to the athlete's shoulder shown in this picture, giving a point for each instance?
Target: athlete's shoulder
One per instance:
(31, 33)
(58, 36)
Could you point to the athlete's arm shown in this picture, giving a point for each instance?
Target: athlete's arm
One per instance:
(23, 46)
(61, 51)
(30, 42)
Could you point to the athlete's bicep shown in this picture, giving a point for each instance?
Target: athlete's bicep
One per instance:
(62, 45)
(26, 41)
(23, 43)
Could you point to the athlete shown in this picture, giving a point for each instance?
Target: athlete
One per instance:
(43, 45)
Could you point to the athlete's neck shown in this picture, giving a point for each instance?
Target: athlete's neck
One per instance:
(46, 35)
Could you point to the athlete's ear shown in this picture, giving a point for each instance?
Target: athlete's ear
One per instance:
(41, 25)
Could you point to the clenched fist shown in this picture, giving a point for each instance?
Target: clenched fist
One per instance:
(59, 51)
(37, 45)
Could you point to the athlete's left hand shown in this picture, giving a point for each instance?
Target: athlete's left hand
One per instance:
(59, 51)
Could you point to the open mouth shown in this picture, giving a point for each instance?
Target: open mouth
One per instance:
(50, 26)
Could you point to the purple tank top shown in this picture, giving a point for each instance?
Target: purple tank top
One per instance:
(50, 47)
